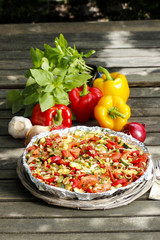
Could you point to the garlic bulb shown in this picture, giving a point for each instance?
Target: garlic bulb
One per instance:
(35, 130)
(19, 126)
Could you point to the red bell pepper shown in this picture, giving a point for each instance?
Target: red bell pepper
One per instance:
(83, 100)
(75, 182)
(58, 160)
(58, 117)
(91, 151)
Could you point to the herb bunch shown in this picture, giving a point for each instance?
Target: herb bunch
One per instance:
(56, 71)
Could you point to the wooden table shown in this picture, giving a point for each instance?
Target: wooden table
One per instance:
(132, 48)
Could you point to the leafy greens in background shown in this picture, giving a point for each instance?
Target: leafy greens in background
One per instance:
(56, 71)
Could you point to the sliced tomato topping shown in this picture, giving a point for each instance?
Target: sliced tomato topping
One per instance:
(115, 156)
(30, 148)
(95, 138)
(65, 153)
(73, 144)
(102, 187)
(141, 160)
(75, 152)
(36, 152)
(88, 181)
(82, 175)
(82, 142)
(119, 181)
(111, 144)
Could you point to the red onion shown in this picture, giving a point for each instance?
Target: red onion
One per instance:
(135, 129)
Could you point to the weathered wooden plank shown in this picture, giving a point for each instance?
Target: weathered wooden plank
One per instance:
(42, 210)
(24, 44)
(8, 174)
(138, 92)
(123, 62)
(11, 142)
(65, 225)
(8, 114)
(78, 236)
(143, 102)
(119, 52)
(10, 156)
(13, 190)
(78, 27)
(87, 36)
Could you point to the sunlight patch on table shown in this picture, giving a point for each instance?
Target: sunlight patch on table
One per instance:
(12, 78)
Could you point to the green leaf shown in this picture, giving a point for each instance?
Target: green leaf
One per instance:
(45, 64)
(74, 52)
(59, 71)
(46, 101)
(17, 106)
(58, 81)
(14, 101)
(51, 53)
(49, 88)
(42, 77)
(30, 81)
(35, 57)
(72, 70)
(62, 41)
(66, 61)
(75, 80)
(12, 97)
(33, 98)
(58, 47)
(61, 97)
(29, 110)
(28, 72)
(28, 90)
(88, 54)
(40, 53)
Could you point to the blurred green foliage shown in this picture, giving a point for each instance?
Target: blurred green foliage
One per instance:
(130, 10)
(25, 11)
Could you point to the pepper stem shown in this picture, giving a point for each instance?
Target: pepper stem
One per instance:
(107, 74)
(113, 112)
(58, 119)
(84, 91)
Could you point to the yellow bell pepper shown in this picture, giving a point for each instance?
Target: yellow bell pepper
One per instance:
(112, 112)
(112, 84)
